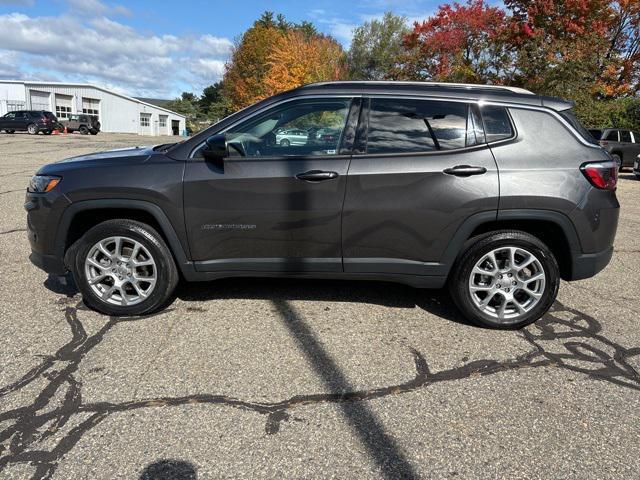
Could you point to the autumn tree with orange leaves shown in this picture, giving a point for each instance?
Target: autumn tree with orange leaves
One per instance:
(298, 59)
(275, 55)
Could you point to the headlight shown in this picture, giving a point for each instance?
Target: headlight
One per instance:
(43, 183)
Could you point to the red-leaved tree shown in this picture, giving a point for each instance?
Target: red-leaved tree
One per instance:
(461, 43)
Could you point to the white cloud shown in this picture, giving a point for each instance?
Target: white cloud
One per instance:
(102, 51)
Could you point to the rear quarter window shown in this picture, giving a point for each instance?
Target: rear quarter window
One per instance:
(497, 125)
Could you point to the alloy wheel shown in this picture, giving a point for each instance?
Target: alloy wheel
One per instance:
(120, 271)
(506, 283)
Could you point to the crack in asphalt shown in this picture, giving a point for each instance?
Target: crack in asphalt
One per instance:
(13, 231)
(59, 403)
(13, 191)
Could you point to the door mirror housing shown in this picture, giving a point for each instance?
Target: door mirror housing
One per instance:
(215, 149)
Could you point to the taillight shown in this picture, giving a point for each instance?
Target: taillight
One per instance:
(602, 175)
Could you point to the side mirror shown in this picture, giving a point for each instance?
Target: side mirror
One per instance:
(215, 149)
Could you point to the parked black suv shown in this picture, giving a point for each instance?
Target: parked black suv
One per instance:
(495, 191)
(32, 121)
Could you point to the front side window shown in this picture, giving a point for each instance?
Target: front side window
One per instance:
(625, 136)
(299, 128)
(406, 126)
(497, 125)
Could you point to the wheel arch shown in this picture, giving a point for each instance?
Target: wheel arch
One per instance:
(81, 216)
(553, 228)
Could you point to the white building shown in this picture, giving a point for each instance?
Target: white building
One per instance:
(117, 113)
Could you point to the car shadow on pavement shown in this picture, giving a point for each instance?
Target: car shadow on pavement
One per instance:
(436, 302)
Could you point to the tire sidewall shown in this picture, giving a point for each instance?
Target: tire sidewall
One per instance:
(460, 289)
(166, 270)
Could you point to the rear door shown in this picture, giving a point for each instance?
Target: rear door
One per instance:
(22, 120)
(420, 169)
(272, 206)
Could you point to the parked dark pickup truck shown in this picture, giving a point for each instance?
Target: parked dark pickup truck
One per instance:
(82, 123)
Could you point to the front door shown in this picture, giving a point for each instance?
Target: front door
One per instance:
(7, 121)
(273, 206)
(419, 170)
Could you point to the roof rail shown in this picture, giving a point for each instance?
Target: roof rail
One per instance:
(435, 84)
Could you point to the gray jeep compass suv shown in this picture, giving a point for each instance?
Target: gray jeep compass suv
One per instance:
(493, 191)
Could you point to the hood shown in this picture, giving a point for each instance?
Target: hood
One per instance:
(101, 159)
(112, 154)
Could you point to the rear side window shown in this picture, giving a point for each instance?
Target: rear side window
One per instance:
(497, 125)
(406, 126)
(625, 136)
(636, 137)
(612, 136)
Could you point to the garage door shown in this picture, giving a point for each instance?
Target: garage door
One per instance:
(63, 105)
(91, 106)
(40, 100)
(145, 124)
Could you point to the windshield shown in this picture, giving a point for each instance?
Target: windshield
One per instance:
(570, 117)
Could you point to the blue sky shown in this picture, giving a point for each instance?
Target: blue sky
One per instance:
(156, 48)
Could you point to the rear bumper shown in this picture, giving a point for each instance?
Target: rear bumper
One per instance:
(586, 265)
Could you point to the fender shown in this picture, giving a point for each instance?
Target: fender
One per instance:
(176, 246)
(474, 221)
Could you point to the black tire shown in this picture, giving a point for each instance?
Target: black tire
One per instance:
(94, 132)
(284, 142)
(479, 246)
(11, 131)
(167, 272)
(47, 132)
(32, 128)
(83, 130)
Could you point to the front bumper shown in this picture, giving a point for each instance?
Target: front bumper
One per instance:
(52, 264)
(586, 265)
(44, 212)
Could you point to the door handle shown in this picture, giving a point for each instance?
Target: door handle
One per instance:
(316, 176)
(465, 170)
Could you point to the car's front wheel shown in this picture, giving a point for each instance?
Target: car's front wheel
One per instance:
(83, 130)
(505, 279)
(124, 267)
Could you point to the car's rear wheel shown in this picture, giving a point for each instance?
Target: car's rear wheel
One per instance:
(505, 279)
(83, 130)
(32, 128)
(124, 267)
